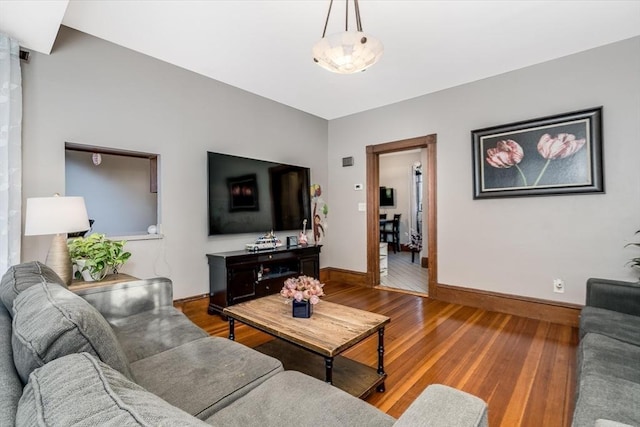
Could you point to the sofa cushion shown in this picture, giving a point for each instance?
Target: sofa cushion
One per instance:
(608, 381)
(606, 397)
(79, 390)
(50, 322)
(443, 406)
(294, 399)
(621, 326)
(205, 375)
(602, 355)
(154, 331)
(609, 423)
(22, 276)
(10, 385)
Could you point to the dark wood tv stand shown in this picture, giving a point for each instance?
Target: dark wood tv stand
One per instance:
(240, 276)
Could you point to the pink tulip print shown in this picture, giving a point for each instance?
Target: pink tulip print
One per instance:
(550, 155)
(509, 153)
(506, 154)
(563, 145)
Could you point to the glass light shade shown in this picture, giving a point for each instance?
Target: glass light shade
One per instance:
(347, 52)
(55, 215)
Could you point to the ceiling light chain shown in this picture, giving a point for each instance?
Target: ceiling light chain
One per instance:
(347, 52)
(357, 7)
(324, 32)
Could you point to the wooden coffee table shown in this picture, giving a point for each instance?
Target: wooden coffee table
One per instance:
(332, 329)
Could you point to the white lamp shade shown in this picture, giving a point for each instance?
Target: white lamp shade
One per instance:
(55, 215)
(347, 52)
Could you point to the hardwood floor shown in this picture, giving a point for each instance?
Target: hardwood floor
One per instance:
(523, 368)
(405, 275)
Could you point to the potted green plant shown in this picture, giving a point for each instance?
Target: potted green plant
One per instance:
(95, 255)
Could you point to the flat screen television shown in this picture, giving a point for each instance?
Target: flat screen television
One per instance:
(255, 196)
(386, 197)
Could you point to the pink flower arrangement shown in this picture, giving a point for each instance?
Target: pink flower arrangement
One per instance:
(303, 288)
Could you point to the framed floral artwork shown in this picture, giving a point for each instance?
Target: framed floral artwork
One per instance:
(547, 156)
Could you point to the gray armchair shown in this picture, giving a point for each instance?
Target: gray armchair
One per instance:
(623, 297)
(608, 357)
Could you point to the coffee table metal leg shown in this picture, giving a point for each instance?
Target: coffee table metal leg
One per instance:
(328, 375)
(231, 329)
(381, 387)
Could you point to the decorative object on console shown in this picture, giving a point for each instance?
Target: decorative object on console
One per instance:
(292, 241)
(551, 155)
(268, 241)
(56, 215)
(303, 291)
(302, 238)
(318, 223)
(95, 255)
(347, 52)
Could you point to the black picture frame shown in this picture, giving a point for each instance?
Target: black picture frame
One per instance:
(553, 155)
(243, 193)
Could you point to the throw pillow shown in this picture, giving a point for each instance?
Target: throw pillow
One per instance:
(22, 276)
(50, 322)
(79, 390)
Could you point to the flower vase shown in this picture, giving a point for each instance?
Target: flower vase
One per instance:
(302, 309)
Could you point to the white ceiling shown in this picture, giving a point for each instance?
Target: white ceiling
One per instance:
(264, 47)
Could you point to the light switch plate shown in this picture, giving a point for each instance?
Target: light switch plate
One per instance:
(362, 207)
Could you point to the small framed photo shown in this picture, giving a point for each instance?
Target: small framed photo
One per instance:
(292, 241)
(243, 193)
(553, 155)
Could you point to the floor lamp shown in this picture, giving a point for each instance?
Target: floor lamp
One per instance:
(59, 216)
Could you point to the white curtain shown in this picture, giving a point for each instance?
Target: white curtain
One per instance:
(10, 152)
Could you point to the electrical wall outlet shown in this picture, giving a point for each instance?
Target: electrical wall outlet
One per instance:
(558, 286)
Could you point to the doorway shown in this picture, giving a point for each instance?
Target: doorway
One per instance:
(401, 218)
(428, 174)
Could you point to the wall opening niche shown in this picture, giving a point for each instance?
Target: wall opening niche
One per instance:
(120, 189)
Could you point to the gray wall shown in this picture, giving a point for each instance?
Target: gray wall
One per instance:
(512, 246)
(93, 92)
(116, 192)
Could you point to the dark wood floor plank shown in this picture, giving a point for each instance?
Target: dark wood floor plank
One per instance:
(523, 368)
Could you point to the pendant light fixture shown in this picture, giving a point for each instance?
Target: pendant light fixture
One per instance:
(347, 52)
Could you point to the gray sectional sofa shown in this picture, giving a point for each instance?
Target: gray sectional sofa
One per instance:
(121, 355)
(608, 360)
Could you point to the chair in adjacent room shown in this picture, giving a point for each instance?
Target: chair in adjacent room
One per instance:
(394, 232)
(383, 223)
